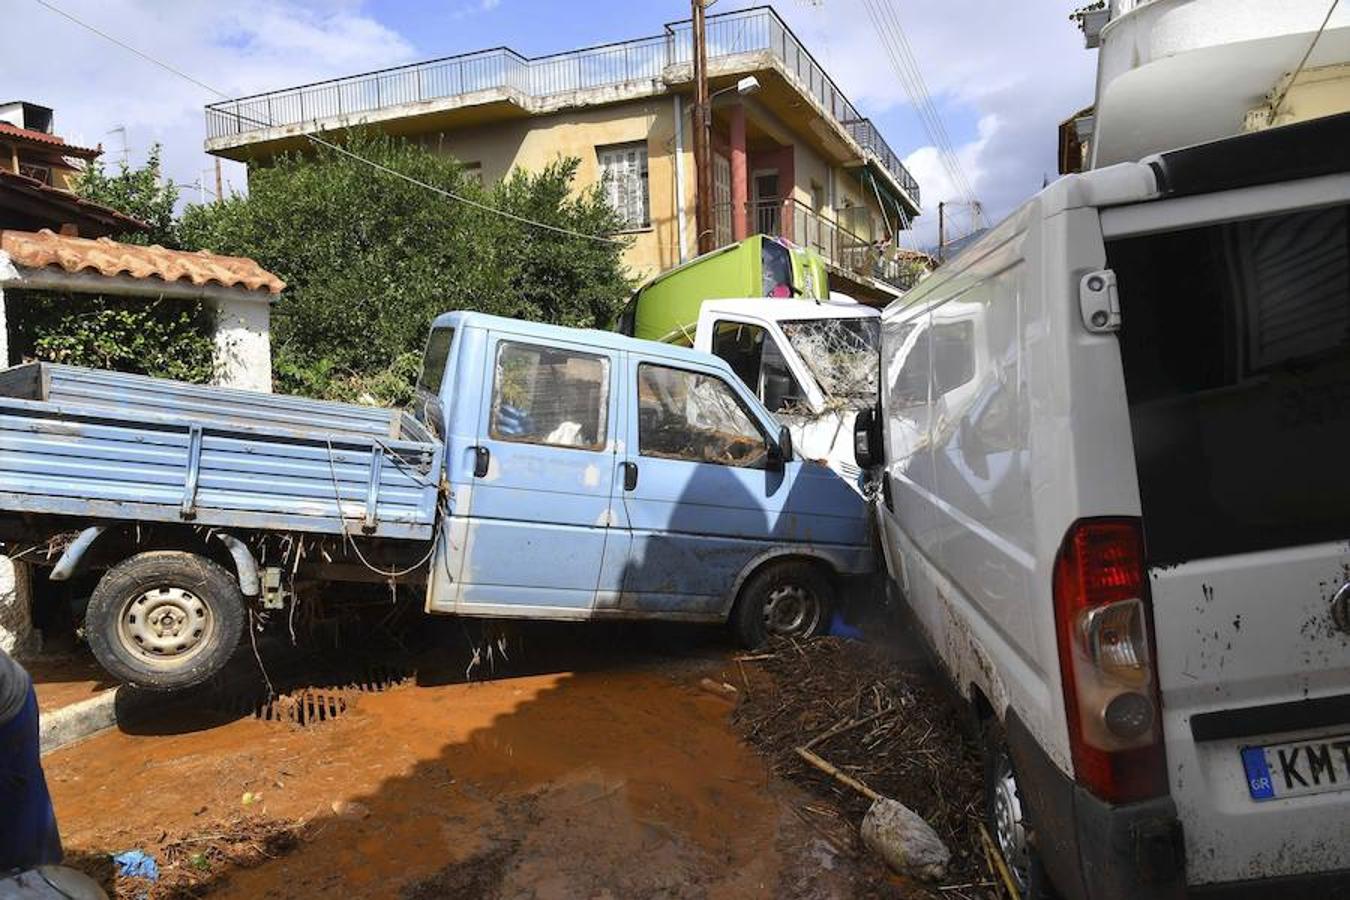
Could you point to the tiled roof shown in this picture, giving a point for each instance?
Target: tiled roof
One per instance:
(51, 140)
(24, 199)
(43, 249)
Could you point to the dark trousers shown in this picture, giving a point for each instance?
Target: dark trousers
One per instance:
(28, 835)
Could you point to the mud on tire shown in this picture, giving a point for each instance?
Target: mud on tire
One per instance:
(789, 598)
(165, 619)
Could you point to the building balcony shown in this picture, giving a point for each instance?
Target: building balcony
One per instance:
(847, 252)
(501, 83)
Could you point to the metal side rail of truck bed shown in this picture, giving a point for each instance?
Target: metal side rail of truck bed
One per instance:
(110, 446)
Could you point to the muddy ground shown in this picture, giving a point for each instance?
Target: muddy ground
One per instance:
(588, 762)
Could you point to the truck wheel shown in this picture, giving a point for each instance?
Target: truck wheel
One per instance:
(1005, 817)
(165, 619)
(792, 599)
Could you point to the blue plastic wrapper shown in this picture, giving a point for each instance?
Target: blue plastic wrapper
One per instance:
(137, 864)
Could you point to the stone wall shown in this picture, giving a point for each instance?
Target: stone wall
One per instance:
(17, 636)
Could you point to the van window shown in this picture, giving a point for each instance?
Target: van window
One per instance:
(434, 359)
(759, 362)
(547, 395)
(775, 262)
(843, 354)
(1236, 349)
(696, 417)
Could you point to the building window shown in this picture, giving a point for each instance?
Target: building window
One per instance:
(623, 173)
(36, 172)
(721, 200)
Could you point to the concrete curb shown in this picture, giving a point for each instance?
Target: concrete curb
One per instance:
(72, 723)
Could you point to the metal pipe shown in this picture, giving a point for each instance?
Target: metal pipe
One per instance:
(70, 560)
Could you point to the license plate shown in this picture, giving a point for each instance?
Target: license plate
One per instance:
(1296, 768)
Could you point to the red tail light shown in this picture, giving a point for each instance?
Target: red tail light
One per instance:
(1104, 625)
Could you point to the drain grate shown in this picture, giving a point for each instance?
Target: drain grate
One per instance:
(330, 695)
(302, 708)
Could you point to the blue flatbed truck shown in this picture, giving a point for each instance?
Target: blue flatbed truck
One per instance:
(548, 472)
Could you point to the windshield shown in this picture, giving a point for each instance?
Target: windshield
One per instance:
(841, 353)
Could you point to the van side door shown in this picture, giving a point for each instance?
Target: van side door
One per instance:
(544, 463)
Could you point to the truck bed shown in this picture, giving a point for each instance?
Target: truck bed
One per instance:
(110, 446)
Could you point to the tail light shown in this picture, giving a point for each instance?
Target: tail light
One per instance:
(1104, 626)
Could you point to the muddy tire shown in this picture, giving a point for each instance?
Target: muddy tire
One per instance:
(792, 598)
(1005, 817)
(165, 619)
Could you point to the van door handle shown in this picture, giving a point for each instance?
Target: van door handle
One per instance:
(630, 474)
(481, 458)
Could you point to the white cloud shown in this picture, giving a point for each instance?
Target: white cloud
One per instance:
(1017, 68)
(241, 47)
(473, 9)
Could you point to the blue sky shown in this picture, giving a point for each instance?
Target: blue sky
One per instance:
(1002, 74)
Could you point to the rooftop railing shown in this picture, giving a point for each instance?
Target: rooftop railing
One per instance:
(757, 30)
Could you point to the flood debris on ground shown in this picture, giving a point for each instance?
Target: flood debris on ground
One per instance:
(888, 727)
(185, 865)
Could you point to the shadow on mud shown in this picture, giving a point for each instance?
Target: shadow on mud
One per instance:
(309, 684)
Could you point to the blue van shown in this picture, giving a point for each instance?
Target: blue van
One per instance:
(593, 475)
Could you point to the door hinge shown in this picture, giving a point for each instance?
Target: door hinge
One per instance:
(1099, 301)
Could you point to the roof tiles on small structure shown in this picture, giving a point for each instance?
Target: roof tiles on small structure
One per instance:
(56, 142)
(44, 249)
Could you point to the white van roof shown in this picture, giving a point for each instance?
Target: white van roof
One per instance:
(839, 306)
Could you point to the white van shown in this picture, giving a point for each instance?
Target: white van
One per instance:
(1116, 495)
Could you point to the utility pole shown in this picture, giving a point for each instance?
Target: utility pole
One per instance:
(220, 188)
(941, 233)
(703, 180)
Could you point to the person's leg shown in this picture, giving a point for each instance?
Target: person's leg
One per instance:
(28, 834)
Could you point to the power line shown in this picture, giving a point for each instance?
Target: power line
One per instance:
(329, 144)
(886, 20)
(1275, 107)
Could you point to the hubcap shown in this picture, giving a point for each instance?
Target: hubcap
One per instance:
(165, 625)
(1009, 827)
(792, 610)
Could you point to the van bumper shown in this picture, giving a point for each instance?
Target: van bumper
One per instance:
(1091, 849)
(1318, 886)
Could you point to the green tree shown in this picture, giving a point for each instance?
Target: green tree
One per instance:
(370, 259)
(140, 193)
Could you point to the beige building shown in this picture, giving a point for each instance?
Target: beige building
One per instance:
(794, 159)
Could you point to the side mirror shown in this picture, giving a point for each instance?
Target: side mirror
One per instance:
(867, 448)
(780, 452)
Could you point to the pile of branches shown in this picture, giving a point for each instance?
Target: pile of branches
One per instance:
(893, 729)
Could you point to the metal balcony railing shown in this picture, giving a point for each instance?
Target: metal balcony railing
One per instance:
(790, 218)
(757, 30)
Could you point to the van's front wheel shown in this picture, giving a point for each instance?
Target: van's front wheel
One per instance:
(792, 599)
(165, 619)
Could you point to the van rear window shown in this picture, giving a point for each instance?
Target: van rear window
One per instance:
(1236, 349)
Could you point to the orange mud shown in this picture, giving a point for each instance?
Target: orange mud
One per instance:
(608, 784)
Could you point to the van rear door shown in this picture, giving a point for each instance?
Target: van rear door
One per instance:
(1236, 350)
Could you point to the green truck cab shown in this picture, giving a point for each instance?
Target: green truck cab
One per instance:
(666, 308)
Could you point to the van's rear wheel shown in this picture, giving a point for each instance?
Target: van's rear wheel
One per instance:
(793, 599)
(165, 619)
(1006, 818)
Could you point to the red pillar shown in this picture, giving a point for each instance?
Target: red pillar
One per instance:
(740, 180)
